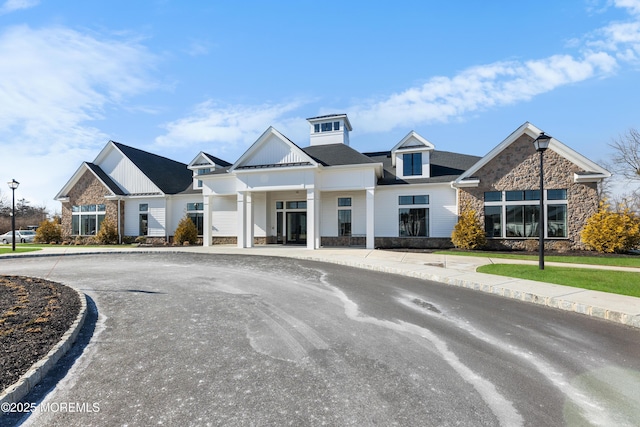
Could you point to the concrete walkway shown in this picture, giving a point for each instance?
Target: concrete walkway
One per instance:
(449, 269)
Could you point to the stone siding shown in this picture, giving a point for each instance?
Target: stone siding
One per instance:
(518, 168)
(88, 191)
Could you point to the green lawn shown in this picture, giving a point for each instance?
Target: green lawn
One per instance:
(614, 260)
(617, 282)
(20, 247)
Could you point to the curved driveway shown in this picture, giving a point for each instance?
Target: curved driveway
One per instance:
(189, 339)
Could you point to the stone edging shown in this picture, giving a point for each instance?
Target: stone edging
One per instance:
(14, 393)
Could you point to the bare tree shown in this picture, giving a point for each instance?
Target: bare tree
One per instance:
(626, 157)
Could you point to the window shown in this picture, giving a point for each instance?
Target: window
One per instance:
(143, 219)
(87, 219)
(326, 127)
(202, 171)
(316, 128)
(344, 201)
(336, 125)
(412, 164)
(493, 221)
(344, 222)
(195, 211)
(344, 217)
(279, 205)
(413, 200)
(413, 222)
(297, 205)
(493, 196)
(516, 214)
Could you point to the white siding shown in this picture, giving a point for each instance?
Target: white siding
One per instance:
(278, 179)
(127, 175)
(347, 179)
(442, 208)
(225, 216)
(156, 214)
(329, 212)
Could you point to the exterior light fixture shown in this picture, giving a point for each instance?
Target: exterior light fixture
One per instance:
(541, 143)
(13, 185)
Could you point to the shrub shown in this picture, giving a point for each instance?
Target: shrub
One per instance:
(186, 232)
(108, 234)
(468, 233)
(48, 232)
(612, 231)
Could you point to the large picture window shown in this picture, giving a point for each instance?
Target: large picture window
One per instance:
(87, 219)
(413, 222)
(516, 214)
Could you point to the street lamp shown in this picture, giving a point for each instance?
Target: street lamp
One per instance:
(13, 185)
(541, 143)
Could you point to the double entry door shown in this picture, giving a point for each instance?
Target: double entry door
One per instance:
(295, 227)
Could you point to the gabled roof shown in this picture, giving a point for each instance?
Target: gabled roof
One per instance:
(282, 153)
(97, 172)
(594, 171)
(208, 160)
(445, 167)
(170, 176)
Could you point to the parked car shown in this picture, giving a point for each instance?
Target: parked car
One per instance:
(22, 236)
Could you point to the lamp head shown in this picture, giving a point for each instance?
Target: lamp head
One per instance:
(13, 184)
(542, 142)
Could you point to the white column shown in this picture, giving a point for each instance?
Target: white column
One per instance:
(370, 219)
(313, 219)
(249, 220)
(242, 219)
(207, 225)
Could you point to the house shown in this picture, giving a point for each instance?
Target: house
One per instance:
(329, 194)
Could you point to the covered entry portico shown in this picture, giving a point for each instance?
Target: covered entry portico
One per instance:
(284, 194)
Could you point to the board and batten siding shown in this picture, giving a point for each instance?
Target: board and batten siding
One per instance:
(442, 208)
(127, 175)
(274, 152)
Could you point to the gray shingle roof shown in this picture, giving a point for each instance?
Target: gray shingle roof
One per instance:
(170, 176)
(105, 178)
(445, 167)
(218, 161)
(337, 155)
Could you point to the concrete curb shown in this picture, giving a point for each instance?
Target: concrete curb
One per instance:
(39, 370)
(502, 290)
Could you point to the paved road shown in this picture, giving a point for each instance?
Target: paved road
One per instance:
(188, 339)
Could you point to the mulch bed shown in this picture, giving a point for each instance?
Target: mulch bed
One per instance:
(34, 314)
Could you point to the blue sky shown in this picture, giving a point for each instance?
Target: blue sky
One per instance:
(179, 77)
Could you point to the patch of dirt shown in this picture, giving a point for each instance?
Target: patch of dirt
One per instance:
(34, 314)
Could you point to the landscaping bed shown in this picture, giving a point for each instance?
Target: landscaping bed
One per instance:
(34, 314)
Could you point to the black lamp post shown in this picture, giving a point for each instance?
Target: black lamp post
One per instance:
(13, 185)
(541, 143)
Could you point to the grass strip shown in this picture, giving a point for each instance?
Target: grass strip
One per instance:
(616, 261)
(615, 282)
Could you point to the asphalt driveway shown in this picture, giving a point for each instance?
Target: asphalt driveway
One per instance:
(189, 339)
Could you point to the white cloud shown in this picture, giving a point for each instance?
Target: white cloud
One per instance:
(632, 5)
(502, 83)
(13, 5)
(53, 82)
(228, 126)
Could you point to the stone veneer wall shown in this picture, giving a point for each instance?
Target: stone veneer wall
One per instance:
(87, 191)
(518, 168)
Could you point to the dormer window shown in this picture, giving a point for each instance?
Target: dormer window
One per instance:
(412, 164)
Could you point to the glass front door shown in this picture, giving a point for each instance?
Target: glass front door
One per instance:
(297, 227)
